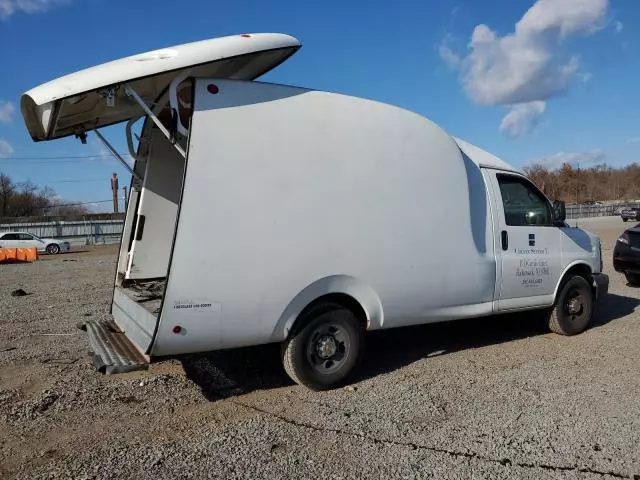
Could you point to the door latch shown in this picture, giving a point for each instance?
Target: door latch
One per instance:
(505, 240)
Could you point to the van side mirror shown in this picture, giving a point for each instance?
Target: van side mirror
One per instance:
(559, 211)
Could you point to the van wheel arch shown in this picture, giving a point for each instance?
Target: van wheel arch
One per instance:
(330, 301)
(345, 290)
(579, 269)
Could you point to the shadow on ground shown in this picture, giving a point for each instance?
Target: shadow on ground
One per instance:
(238, 371)
(612, 307)
(55, 256)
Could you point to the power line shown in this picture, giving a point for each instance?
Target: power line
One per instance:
(43, 165)
(13, 161)
(77, 181)
(58, 157)
(81, 203)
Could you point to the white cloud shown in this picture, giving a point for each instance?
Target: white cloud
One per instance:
(9, 7)
(526, 65)
(572, 158)
(522, 118)
(447, 54)
(523, 66)
(633, 140)
(6, 111)
(5, 148)
(585, 76)
(618, 26)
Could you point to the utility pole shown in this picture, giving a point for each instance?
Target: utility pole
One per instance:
(114, 190)
(578, 184)
(126, 200)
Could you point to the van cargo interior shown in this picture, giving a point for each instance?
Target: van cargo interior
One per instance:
(153, 207)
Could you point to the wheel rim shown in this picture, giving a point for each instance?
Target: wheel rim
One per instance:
(575, 305)
(327, 348)
(53, 249)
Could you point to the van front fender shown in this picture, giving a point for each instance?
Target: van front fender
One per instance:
(360, 291)
(578, 267)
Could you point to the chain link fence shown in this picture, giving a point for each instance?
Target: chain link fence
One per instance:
(78, 232)
(606, 210)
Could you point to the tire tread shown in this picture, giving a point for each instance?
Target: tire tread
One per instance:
(555, 322)
(293, 343)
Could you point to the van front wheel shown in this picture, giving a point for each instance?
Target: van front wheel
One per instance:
(573, 309)
(326, 349)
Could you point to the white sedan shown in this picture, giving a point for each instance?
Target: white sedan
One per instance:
(27, 240)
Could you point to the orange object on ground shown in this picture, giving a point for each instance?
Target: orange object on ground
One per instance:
(13, 255)
(26, 254)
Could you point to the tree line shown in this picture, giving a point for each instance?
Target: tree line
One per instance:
(28, 200)
(596, 183)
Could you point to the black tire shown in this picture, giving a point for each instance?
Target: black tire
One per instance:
(633, 278)
(324, 348)
(572, 317)
(53, 249)
(624, 219)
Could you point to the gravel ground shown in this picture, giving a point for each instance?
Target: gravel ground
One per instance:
(489, 398)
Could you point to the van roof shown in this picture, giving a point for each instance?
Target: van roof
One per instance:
(76, 102)
(482, 158)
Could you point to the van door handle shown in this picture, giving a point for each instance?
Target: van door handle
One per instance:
(505, 240)
(140, 229)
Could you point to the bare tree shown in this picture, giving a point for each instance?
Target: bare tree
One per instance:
(27, 200)
(595, 183)
(7, 190)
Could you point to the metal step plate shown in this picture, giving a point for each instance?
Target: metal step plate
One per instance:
(112, 351)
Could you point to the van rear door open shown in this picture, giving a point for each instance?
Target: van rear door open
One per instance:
(147, 86)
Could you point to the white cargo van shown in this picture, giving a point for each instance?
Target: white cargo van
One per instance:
(262, 213)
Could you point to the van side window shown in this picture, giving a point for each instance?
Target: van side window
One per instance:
(523, 204)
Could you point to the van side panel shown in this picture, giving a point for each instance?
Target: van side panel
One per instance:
(287, 186)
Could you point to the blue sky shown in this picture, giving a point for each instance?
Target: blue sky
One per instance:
(545, 81)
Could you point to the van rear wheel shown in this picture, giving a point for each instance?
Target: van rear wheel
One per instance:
(574, 307)
(325, 349)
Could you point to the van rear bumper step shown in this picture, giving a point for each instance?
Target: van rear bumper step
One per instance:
(112, 351)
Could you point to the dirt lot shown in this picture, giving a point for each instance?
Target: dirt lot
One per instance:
(490, 398)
